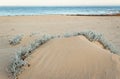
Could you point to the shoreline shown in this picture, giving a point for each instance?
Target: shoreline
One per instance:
(117, 14)
(96, 15)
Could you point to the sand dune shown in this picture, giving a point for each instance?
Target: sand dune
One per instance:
(72, 58)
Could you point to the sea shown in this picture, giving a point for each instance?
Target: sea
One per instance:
(49, 10)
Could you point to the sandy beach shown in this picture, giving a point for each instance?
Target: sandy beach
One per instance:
(54, 24)
(62, 58)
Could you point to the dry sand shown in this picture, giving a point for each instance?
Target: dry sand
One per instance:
(72, 58)
(54, 24)
(93, 63)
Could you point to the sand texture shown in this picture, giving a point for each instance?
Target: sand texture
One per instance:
(72, 58)
(65, 58)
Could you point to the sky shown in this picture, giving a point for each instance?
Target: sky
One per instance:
(59, 2)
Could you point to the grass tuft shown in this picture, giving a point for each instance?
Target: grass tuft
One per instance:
(19, 59)
(15, 40)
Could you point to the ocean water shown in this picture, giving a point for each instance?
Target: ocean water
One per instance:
(83, 10)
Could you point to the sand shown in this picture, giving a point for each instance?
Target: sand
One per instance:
(72, 58)
(54, 24)
(93, 63)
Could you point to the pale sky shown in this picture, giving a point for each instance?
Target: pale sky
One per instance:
(58, 2)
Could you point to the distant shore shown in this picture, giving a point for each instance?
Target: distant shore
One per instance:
(116, 14)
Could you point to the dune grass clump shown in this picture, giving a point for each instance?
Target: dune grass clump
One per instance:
(91, 35)
(109, 46)
(19, 59)
(15, 40)
(95, 36)
(17, 63)
(66, 35)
